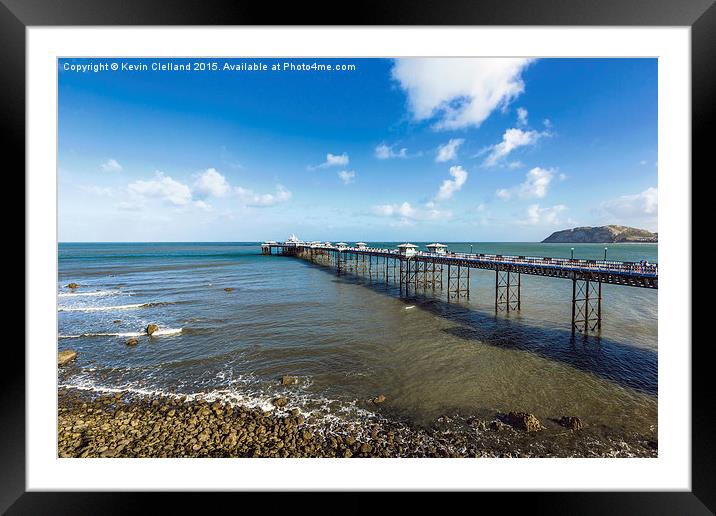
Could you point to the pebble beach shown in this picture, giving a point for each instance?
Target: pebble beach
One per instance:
(127, 425)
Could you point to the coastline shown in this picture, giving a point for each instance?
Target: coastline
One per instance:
(129, 425)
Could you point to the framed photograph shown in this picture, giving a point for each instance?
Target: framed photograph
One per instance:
(417, 250)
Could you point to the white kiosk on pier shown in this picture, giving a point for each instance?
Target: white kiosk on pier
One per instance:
(436, 248)
(407, 249)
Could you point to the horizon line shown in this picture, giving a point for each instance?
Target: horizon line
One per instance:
(338, 240)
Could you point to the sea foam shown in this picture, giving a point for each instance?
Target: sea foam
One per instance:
(96, 293)
(159, 333)
(103, 308)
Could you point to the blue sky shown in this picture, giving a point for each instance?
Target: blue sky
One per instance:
(408, 149)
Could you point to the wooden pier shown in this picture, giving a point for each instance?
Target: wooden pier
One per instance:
(414, 270)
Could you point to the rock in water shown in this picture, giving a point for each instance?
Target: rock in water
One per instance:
(289, 380)
(152, 328)
(280, 402)
(379, 399)
(228, 289)
(524, 421)
(132, 342)
(65, 357)
(72, 285)
(571, 422)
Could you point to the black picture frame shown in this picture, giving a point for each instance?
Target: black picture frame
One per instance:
(700, 15)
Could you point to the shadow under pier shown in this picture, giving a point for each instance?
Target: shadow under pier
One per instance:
(629, 366)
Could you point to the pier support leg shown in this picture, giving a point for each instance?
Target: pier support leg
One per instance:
(574, 302)
(599, 307)
(519, 291)
(458, 282)
(432, 281)
(586, 305)
(416, 274)
(402, 277)
(449, 278)
(468, 283)
(409, 272)
(508, 287)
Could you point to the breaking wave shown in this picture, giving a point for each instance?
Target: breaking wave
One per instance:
(111, 308)
(96, 293)
(159, 333)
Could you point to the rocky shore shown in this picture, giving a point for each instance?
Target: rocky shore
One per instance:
(128, 425)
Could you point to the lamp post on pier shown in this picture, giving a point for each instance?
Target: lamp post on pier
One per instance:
(605, 254)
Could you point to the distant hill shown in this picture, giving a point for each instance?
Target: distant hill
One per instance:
(601, 235)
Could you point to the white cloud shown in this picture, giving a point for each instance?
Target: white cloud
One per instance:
(347, 176)
(384, 151)
(336, 159)
(511, 140)
(450, 186)
(536, 183)
(253, 199)
(333, 160)
(111, 165)
(521, 116)
(503, 193)
(448, 151)
(544, 216)
(387, 210)
(211, 183)
(405, 212)
(163, 188)
(644, 205)
(459, 93)
(202, 205)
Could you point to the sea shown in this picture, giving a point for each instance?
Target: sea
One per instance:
(349, 340)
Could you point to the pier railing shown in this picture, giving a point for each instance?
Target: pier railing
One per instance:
(641, 268)
(568, 263)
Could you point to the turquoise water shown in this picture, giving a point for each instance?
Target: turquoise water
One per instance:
(349, 340)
